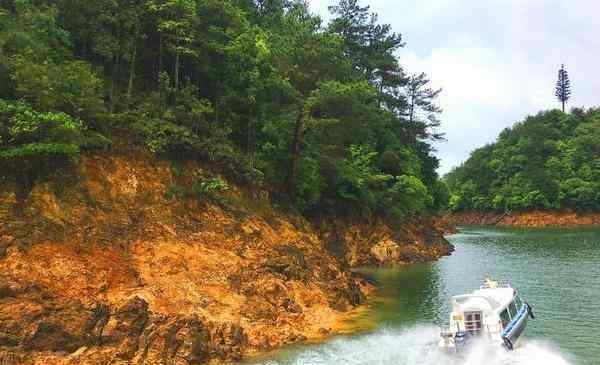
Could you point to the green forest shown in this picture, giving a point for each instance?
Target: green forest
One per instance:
(322, 115)
(550, 161)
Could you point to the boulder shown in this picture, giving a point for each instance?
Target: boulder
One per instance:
(126, 325)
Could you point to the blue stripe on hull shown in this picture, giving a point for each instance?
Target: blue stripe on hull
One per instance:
(513, 331)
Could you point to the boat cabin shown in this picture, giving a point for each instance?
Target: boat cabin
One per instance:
(494, 311)
(487, 310)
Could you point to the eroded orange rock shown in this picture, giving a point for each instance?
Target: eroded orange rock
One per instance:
(534, 218)
(106, 269)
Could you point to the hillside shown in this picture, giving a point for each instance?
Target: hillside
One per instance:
(322, 114)
(548, 162)
(190, 180)
(112, 267)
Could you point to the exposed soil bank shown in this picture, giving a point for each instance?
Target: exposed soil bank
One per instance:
(535, 218)
(103, 268)
(361, 244)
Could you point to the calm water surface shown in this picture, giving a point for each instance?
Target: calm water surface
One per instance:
(556, 270)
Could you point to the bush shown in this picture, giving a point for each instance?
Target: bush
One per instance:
(71, 86)
(174, 192)
(28, 134)
(579, 194)
(210, 189)
(358, 179)
(166, 138)
(408, 197)
(33, 144)
(310, 184)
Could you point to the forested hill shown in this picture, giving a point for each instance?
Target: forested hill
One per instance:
(321, 114)
(550, 161)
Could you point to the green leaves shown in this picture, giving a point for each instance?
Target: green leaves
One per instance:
(162, 137)
(35, 143)
(549, 161)
(358, 176)
(255, 88)
(71, 86)
(176, 19)
(39, 151)
(25, 125)
(211, 189)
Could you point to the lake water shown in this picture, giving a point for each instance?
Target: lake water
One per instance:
(556, 270)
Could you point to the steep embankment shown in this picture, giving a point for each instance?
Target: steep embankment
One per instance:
(534, 218)
(378, 244)
(104, 268)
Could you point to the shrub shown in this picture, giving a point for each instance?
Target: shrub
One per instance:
(210, 189)
(174, 192)
(34, 143)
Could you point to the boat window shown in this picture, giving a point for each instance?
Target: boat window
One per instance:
(513, 310)
(518, 302)
(504, 317)
(473, 321)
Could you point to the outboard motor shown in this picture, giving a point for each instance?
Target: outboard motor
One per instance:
(530, 310)
(508, 344)
(462, 340)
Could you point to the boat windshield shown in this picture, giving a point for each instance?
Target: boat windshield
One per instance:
(513, 309)
(518, 302)
(505, 318)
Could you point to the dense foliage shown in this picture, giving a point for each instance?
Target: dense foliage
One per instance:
(548, 161)
(322, 114)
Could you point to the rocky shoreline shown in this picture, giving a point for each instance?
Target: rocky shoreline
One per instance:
(108, 269)
(533, 219)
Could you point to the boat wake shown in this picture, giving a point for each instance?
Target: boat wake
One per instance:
(416, 346)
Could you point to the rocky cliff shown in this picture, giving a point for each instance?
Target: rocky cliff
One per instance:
(377, 243)
(115, 264)
(534, 218)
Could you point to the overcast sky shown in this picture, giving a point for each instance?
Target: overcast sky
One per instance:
(497, 60)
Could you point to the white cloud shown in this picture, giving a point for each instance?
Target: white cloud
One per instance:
(495, 59)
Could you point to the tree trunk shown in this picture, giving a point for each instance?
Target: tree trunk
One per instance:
(160, 64)
(25, 180)
(160, 56)
(411, 121)
(250, 138)
(113, 76)
(116, 81)
(132, 72)
(177, 66)
(296, 151)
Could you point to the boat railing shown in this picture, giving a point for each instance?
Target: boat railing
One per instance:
(495, 284)
(494, 328)
(446, 331)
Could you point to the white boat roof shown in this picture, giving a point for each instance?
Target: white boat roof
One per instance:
(487, 299)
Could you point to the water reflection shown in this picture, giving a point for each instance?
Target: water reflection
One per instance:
(407, 295)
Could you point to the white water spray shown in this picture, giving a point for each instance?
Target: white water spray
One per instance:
(416, 346)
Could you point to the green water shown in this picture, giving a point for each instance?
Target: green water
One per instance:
(556, 270)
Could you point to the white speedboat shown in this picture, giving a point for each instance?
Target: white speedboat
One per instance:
(494, 312)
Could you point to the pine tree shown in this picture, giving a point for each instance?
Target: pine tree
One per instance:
(563, 87)
(421, 99)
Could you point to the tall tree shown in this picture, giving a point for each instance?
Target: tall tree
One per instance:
(371, 48)
(422, 110)
(258, 87)
(563, 87)
(369, 45)
(176, 19)
(106, 31)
